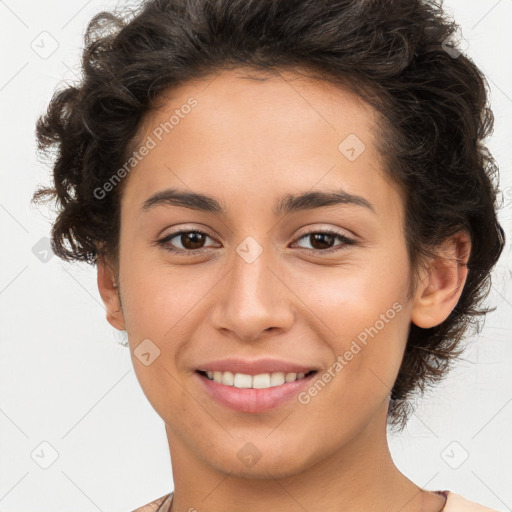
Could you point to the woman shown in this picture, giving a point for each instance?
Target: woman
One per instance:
(293, 217)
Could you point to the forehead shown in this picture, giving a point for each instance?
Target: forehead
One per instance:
(275, 109)
(243, 129)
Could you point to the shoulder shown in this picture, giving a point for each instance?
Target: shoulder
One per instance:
(457, 503)
(454, 503)
(161, 504)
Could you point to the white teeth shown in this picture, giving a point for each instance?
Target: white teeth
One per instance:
(242, 380)
(260, 381)
(227, 378)
(276, 379)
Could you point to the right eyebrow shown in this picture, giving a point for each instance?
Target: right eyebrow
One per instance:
(192, 200)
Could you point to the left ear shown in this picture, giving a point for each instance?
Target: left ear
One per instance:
(439, 290)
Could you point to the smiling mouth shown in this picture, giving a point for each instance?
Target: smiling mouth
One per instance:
(260, 381)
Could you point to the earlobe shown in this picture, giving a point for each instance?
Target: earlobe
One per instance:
(109, 292)
(442, 284)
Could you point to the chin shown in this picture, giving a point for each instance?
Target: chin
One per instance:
(262, 470)
(259, 459)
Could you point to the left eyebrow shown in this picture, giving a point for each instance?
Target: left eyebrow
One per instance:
(310, 200)
(287, 204)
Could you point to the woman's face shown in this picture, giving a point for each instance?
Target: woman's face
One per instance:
(253, 287)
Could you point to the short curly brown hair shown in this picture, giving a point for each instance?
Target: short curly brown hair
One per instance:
(397, 55)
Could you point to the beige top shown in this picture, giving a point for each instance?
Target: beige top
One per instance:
(454, 503)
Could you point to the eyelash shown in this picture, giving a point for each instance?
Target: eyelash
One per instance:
(165, 241)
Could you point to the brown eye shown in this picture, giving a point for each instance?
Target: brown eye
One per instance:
(324, 241)
(185, 241)
(192, 240)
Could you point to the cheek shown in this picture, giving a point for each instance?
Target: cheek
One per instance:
(162, 307)
(365, 314)
(348, 300)
(156, 298)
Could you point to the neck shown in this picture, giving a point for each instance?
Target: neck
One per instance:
(359, 476)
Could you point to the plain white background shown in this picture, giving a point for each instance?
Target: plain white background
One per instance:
(76, 431)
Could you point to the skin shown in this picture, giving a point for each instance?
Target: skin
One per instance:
(248, 143)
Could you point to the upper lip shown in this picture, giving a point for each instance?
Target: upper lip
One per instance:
(254, 367)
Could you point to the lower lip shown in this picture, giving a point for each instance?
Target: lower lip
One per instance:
(254, 400)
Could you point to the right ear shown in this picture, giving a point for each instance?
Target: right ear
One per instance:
(109, 292)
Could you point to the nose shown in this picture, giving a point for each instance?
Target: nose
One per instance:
(253, 300)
